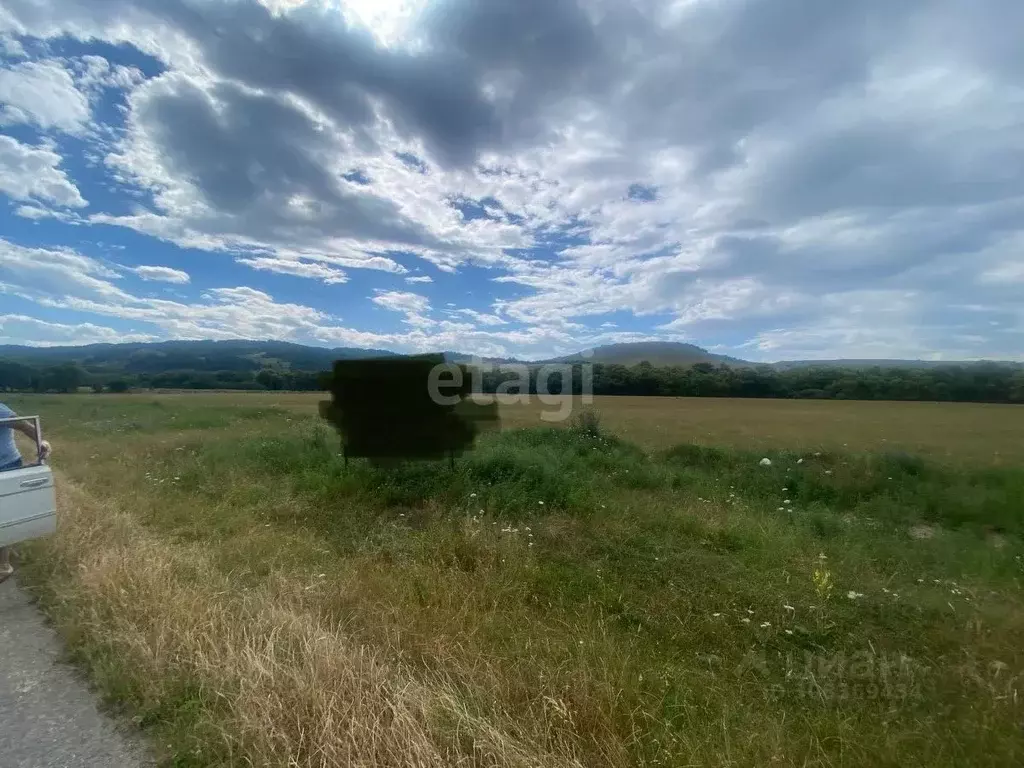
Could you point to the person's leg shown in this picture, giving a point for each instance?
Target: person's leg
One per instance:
(6, 569)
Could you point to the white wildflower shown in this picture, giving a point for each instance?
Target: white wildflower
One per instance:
(765, 624)
(854, 595)
(745, 620)
(789, 607)
(789, 631)
(766, 462)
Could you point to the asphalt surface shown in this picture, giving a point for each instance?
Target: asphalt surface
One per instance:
(48, 716)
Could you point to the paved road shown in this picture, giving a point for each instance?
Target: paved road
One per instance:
(48, 716)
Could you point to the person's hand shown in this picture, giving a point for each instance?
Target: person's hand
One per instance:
(45, 449)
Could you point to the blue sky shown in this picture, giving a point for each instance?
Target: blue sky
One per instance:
(772, 179)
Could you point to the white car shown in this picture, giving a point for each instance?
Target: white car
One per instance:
(28, 502)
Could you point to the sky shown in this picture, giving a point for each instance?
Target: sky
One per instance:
(770, 179)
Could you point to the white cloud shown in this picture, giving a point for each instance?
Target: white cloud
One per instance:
(95, 72)
(11, 48)
(1010, 272)
(412, 305)
(161, 274)
(42, 93)
(65, 280)
(43, 272)
(38, 213)
(30, 173)
(30, 331)
(419, 279)
(297, 268)
(481, 318)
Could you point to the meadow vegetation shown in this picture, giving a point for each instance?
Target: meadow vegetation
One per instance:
(565, 597)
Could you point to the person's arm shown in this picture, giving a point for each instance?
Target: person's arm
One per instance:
(28, 428)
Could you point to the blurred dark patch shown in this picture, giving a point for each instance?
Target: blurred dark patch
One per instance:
(415, 407)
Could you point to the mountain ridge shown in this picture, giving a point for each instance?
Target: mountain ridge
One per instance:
(253, 354)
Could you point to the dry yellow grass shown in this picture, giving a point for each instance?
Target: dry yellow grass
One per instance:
(991, 434)
(280, 684)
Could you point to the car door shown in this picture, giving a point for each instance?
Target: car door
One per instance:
(28, 503)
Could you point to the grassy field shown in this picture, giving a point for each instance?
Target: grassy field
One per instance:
(956, 432)
(641, 595)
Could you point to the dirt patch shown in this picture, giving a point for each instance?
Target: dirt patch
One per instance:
(922, 532)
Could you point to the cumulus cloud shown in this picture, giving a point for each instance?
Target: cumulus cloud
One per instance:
(30, 172)
(42, 272)
(22, 329)
(96, 73)
(42, 93)
(412, 305)
(11, 48)
(743, 172)
(162, 274)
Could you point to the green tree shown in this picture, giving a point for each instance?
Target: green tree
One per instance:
(270, 379)
(63, 378)
(15, 376)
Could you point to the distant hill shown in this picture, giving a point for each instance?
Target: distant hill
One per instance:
(157, 357)
(886, 363)
(658, 353)
(151, 358)
(275, 365)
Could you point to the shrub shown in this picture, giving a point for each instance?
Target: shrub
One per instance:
(692, 455)
(586, 421)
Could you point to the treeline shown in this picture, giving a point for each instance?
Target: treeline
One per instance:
(70, 377)
(978, 382)
(981, 382)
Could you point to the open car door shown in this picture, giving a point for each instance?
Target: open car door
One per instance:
(28, 502)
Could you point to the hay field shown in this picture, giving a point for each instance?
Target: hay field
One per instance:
(990, 434)
(643, 593)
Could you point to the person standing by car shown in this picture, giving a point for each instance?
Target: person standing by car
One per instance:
(10, 458)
